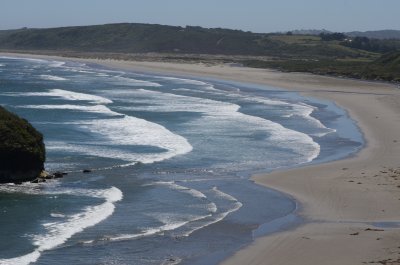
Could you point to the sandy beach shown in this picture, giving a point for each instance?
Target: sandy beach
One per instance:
(351, 206)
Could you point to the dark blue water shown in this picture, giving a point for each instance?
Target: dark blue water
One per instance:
(171, 158)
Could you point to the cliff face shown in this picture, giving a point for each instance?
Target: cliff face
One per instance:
(22, 151)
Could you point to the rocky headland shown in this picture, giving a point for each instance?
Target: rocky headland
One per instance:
(22, 151)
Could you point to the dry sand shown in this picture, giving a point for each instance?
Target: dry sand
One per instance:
(340, 200)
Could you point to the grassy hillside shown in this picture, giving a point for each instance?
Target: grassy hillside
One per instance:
(384, 68)
(327, 53)
(134, 38)
(143, 38)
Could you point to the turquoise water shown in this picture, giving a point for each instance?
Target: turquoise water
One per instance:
(171, 159)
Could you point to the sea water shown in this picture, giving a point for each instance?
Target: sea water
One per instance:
(170, 157)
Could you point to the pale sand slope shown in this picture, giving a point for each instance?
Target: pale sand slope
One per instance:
(339, 198)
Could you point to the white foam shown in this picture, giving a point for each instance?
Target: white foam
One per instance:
(198, 83)
(57, 215)
(134, 82)
(224, 113)
(102, 75)
(56, 63)
(68, 95)
(42, 61)
(120, 131)
(217, 217)
(2, 65)
(25, 59)
(100, 109)
(57, 233)
(23, 260)
(148, 232)
(297, 109)
(169, 225)
(94, 109)
(184, 81)
(173, 185)
(132, 131)
(167, 102)
(183, 89)
(52, 78)
(212, 207)
(223, 195)
(86, 72)
(300, 109)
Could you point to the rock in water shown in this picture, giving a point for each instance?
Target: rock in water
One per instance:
(22, 151)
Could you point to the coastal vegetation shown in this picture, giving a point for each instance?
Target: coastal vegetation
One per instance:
(340, 54)
(22, 151)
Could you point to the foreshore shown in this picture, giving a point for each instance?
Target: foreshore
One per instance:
(351, 206)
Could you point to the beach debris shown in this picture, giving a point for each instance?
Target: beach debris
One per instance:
(386, 261)
(355, 234)
(374, 229)
(59, 174)
(44, 175)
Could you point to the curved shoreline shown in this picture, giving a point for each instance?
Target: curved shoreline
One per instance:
(340, 199)
(333, 207)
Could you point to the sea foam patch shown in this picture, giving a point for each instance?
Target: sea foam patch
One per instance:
(128, 81)
(121, 130)
(59, 231)
(132, 131)
(52, 78)
(68, 95)
(101, 109)
(224, 116)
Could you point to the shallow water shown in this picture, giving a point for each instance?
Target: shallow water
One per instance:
(171, 158)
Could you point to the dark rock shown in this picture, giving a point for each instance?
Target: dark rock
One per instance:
(86, 171)
(38, 180)
(58, 174)
(22, 151)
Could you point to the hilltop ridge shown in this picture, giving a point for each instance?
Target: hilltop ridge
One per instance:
(339, 54)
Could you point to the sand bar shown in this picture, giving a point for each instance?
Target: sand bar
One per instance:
(343, 200)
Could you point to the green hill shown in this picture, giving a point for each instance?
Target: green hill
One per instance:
(387, 67)
(327, 53)
(144, 38)
(22, 152)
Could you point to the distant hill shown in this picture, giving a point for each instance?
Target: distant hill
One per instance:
(315, 51)
(310, 31)
(145, 38)
(137, 38)
(386, 67)
(377, 34)
(373, 34)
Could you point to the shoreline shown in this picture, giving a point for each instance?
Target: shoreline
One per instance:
(341, 199)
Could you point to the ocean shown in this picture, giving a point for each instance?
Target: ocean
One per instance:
(171, 159)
